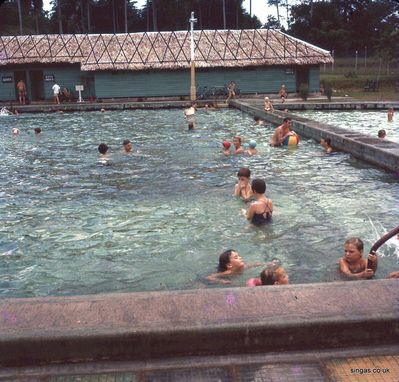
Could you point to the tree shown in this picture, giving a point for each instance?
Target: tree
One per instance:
(276, 3)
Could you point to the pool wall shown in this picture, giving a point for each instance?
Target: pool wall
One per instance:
(153, 325)
(379, 152)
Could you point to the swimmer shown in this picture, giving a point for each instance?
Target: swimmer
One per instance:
(261, 210)
(38, 130)
(281, 132)
(353, 265)
(230, 264)
(102, 110)
(252, 150)
(127, 146)
(243, 188)
(189, 114)
(390, 114)
(237, 144)
(226, 148)
(15, 131)
(103, 150)
(382, 133)
(326, 144)
(258, 121)
(273, 274)
(268, 105)
(393, 275)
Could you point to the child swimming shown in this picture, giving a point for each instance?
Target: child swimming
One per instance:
(230, 264)
(251, 150)
(260, 211)
(273, 274)
(243, 187)
(352, 263)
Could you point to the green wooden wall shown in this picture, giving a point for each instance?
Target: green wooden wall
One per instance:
(8, 89)
(123, 84)
(314, 79)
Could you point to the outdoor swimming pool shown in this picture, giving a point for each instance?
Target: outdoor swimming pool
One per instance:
(368, 122)
(158, 219)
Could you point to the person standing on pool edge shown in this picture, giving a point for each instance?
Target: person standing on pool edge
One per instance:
(281, 132)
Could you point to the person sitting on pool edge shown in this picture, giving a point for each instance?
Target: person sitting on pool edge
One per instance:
(260, 211)
(268, 106)
(251, 148)
(230, 264)
(273, 274)
(326, 144)
(281, 132)
(237, 144)
(352, 264)
(243, 188)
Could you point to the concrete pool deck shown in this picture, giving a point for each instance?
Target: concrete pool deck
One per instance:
(208, 322)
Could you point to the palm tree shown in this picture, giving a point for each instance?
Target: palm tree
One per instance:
(59, 16)
(224, 14)
(154, 15)
(276, 3)
(20, 17)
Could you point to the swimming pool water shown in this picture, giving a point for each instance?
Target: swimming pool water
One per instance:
(368, 122)
(158, 219)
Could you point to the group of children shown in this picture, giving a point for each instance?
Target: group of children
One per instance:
(227, 148)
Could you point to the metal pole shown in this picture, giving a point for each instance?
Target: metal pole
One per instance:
(356, 62)
(192, 20)
(20, 17)
(332, 64)
(125, 16)
(365, 58)
(224, 15)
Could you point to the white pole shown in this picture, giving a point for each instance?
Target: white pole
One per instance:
(356, 63)
(192, 20)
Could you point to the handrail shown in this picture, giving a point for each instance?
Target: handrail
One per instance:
(384, 238)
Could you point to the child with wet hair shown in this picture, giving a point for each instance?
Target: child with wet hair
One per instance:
(230, 264)
(353, 265)
(273, 274)
(243, 188)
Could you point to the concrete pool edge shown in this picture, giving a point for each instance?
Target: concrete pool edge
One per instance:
(154, 325)
(379, 152)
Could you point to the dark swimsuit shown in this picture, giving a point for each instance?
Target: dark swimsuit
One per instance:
(263, 218)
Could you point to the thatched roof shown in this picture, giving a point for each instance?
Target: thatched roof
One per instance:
(162, 50)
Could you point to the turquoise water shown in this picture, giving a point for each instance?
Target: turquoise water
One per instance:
(368, 122)
(158, 219)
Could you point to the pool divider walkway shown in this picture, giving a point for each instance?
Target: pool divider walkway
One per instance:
(378, 152)
(150, 326)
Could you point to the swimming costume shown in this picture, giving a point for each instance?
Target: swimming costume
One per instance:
(263, 218)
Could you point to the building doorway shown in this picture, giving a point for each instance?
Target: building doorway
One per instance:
(36, 85)
(20, 75)
(302, 78)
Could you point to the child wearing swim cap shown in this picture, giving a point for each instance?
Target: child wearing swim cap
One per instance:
(251, 148)
(273, 274)
(226, 148)
(243, 188)
(230, 264)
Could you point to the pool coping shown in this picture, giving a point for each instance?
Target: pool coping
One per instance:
(221, 321)
(376, 151)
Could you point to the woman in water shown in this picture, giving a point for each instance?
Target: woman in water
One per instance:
(243, 188)
(260, 211)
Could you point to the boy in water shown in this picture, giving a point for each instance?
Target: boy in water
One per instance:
(127, 146)
(352, 263)
(326, 144)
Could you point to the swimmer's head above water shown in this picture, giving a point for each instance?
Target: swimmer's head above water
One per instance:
(230, 260)
(102, 148)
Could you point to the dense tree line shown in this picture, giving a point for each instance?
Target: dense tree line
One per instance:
(340, 25)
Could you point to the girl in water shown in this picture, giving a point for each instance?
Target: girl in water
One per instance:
(273, 274)
(260, 211)
(243, 188)
(230, 264)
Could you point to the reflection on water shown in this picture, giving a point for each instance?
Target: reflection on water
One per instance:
(367, 122)
(158, 219)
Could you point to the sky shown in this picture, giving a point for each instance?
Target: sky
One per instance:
(259, 8)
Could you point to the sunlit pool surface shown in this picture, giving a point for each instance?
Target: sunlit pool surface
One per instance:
(368, 122)
(158, 219)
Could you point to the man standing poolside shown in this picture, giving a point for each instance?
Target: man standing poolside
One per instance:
(21, 87)
(281, 132)
(56, 89)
